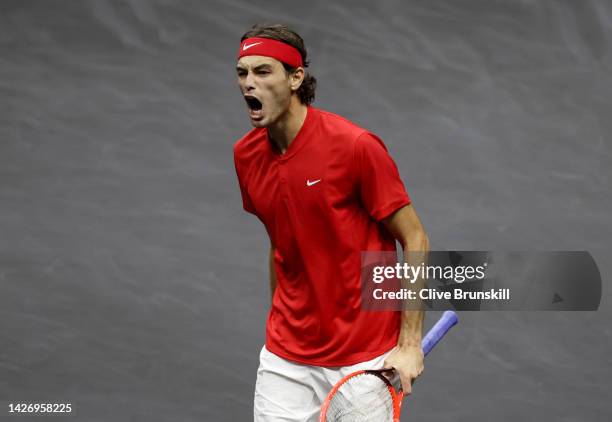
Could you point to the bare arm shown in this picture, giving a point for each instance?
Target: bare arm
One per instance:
(407, 359)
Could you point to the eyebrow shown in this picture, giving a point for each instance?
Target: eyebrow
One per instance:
(258, 67)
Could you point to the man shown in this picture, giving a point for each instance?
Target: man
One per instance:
(326, 190)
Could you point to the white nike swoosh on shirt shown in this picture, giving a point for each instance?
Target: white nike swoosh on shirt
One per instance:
(247, 46)
(314, 182)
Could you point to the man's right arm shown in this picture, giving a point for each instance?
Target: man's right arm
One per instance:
(272, 273)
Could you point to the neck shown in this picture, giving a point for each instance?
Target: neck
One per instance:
(285, 129)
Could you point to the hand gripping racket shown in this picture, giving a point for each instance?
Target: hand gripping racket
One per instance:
(368, 395)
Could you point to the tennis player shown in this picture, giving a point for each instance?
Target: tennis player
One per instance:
(326, 190)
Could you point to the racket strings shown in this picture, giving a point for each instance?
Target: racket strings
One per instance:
(363, 398)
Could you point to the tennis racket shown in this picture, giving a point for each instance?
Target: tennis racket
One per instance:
(368, 395)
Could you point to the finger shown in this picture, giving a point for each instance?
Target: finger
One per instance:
(387, 365)
(408, 390)
(416, 375)
(406, 385)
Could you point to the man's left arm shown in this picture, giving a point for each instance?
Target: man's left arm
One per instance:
(407, 357)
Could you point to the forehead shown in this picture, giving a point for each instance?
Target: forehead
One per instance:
(249, 62)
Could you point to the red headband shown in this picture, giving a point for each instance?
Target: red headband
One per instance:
(278, 50)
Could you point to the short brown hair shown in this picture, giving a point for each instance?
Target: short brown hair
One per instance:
(278, 32)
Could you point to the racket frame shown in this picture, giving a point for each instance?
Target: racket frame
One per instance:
(433, 336)
(396, 396)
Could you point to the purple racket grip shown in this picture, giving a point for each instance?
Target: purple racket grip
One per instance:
(433, 336)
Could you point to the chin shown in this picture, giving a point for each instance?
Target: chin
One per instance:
(258, 123)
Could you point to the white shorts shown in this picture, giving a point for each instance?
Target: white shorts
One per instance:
(293, 392)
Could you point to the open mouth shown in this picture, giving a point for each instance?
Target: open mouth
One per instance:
(253, 103)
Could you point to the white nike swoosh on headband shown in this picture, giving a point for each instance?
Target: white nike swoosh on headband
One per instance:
(246, 47)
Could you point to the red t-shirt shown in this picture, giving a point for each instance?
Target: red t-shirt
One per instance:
(321, 202)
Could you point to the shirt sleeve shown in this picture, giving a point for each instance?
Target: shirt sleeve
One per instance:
(379, 184)
(247, 204)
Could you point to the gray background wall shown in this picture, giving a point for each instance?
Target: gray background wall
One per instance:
(133, 286)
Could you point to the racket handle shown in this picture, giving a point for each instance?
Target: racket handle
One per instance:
(433, 336)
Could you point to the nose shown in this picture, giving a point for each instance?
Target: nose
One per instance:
(249, 83)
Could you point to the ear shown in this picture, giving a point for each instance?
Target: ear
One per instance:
(296, 78)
